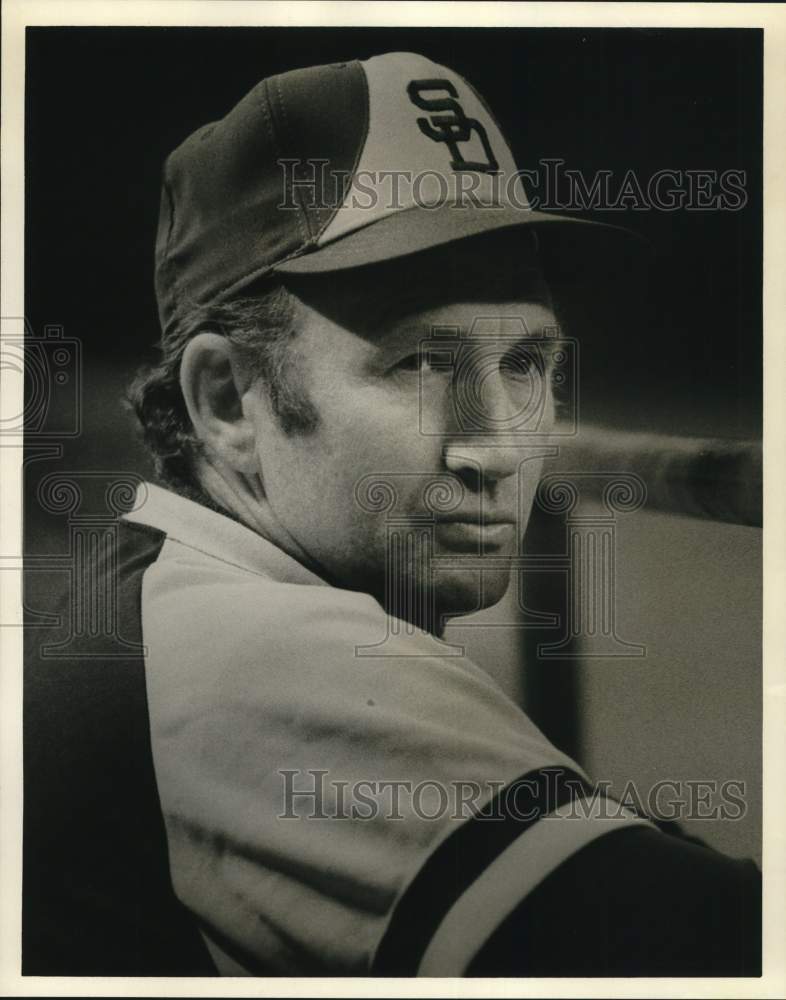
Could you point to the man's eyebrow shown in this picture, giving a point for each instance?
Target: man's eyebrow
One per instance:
(527, 330)
(537, 346)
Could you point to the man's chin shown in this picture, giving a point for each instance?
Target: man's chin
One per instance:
(459, 592)
(450, 593)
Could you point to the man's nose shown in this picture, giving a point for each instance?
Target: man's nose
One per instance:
(482, 460)
(488, 437)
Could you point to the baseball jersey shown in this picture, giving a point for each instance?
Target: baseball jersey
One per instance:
(254, 783)
(278, 739)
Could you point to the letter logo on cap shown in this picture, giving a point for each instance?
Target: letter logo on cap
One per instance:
(451, 128)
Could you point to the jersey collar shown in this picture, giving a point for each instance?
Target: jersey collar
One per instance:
(216, 535)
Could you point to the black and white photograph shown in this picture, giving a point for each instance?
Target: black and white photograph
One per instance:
(392, 602)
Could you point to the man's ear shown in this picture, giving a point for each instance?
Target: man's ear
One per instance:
(213, 387)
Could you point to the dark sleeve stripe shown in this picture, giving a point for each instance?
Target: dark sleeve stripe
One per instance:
(463, 857)
(638, 902)
(511, 877)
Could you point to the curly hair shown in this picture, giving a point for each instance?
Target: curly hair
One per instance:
(260, 329)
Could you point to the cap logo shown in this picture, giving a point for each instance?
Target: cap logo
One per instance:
(452, 128)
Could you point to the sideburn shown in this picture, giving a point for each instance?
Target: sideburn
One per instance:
(289, 396)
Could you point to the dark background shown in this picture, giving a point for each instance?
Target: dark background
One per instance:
(678, 351)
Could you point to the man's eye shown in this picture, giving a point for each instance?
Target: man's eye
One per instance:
(519, 363)
(413, 362)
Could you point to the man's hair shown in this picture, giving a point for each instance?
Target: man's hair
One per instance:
(259, 328)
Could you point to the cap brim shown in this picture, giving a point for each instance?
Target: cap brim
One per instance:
(418, 228)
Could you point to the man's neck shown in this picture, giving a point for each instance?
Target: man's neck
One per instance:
(242, 498)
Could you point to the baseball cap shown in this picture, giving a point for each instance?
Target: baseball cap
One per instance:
(333, 167)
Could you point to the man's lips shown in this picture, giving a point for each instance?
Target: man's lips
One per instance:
(465, 533)
(478, 520)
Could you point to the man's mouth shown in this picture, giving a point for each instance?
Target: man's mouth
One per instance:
(463, 531)
(482, 519)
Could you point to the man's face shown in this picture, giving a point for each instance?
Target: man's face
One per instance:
(433, 402)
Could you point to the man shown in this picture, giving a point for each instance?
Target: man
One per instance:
(349, 416)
